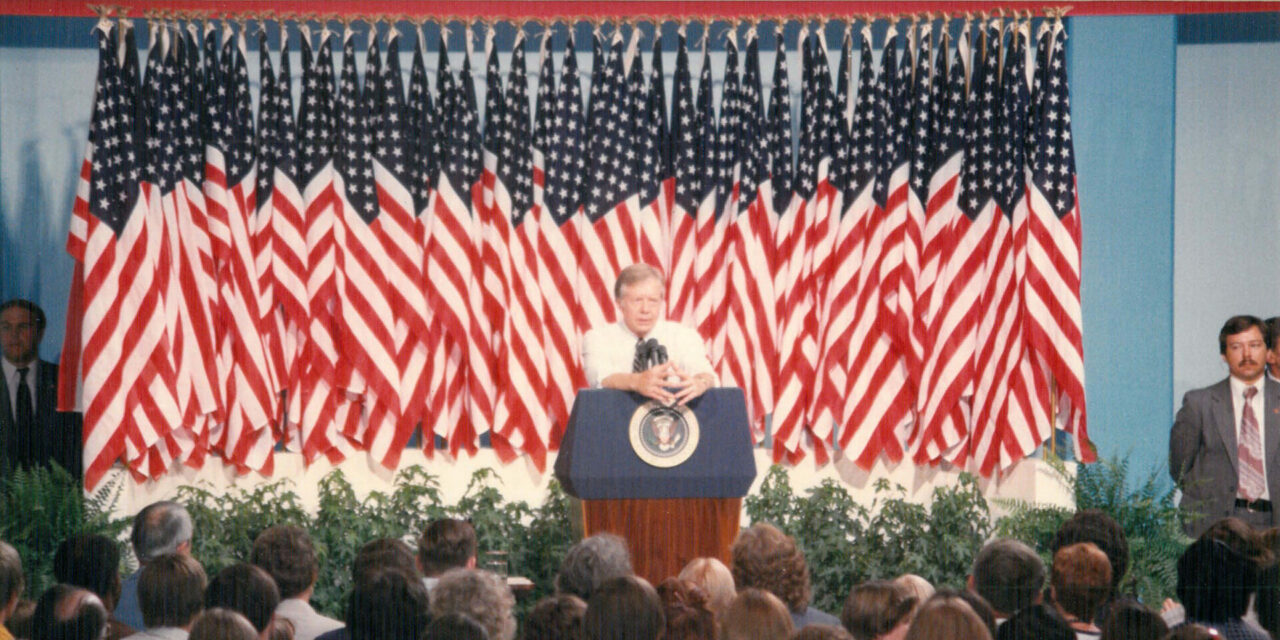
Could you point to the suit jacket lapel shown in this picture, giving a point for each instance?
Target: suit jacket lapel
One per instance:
(1271, 426)
(1224, 418)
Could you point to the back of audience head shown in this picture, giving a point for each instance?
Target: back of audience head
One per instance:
(287, 554)
(1238, 535)
(624, 608)
(686, 608)
(12, 580)
(821, 632)
(756, 614)
(455, 626)
(975, 601)
(65, 612)
(1008, 575)
(247, 590)
(21, 620)
(171, 591)
(1267, 602)
(1093, 525)
(877, 609)
(481, 595)
(1081, 579)
(766, 558)
(1214, 581)
(714, 578)
(161, 528)
(447, 543)
(556, 617)
(947, 617)
(1132, 620)
(1037, 622)
(91, 561)
(383, 552)
(591, 562)
(222, 624)
(1192, 632)
(917, 586)
(389, 604)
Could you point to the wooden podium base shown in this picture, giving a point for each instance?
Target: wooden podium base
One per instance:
(665, 534)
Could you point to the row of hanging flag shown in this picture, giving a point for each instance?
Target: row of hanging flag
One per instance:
(894, 274)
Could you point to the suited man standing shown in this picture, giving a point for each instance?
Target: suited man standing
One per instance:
(1224, 448)
(32, 431)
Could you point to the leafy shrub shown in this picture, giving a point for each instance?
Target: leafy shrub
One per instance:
(41, 507)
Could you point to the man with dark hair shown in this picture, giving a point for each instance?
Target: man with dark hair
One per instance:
(1225, 434)
(766, 558)
(171, 594)
(11, 583)
(286, 552)
(1273, 353)
(447, 543)
(1214, 585)
(391, 604)
(92, 561)
(621, 355)
(370, 561)
(1008, 575)
(65, 612)
(247, 590)
(160, 528)
(32, 430)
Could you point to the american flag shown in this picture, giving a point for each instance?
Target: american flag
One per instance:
(708, 231)
(266, 148)
(719, 206)
(1054, 327)
(688, 147)
(656, 185)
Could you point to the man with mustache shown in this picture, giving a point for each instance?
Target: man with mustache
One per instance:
(1224, 443)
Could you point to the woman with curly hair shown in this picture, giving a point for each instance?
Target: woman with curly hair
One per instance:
(766, 558)
(480, 595)
(686, 606)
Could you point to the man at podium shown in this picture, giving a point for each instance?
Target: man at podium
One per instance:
(643, 352)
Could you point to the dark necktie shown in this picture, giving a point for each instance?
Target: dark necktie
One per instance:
(22, 412)
(642, 357)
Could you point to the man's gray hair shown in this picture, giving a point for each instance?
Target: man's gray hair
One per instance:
(591, 563)
(637, 273)
(1008, 574)
(479, 595)
(160, 528)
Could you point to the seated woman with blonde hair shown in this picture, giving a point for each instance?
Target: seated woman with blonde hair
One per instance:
(756, 614)
(947, 618)
(712, 577)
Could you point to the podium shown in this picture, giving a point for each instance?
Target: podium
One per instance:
(669, 515)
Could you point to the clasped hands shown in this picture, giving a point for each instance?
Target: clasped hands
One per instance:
(669, 384)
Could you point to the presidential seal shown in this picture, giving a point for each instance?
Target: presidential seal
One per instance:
(663, 436)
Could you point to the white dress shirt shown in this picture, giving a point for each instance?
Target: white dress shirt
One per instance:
(11, 382)
(1237, 406)
(612, 349)
(307, 623)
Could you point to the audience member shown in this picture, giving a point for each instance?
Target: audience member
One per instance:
(1267, 601)
(455, 626)
(222, 624)
(1093, 525)
(1192, 632)
(624, 608)
(714, 578)
(1039, 621)
(65, 612)
(446, 544)
(916, 586)
(878, 610)
(556, 617)
(946, 617)
(685, 606)
(975, 601)
(384, 552)
(1081, 582)
(766, 558)
(482, 595)
(92, 561)
(756, 614)
(247, 590)
(591, 562)
(389, 604)
(288, 556)
(1214, 585)
(1132, 620)
(19, 622)
(171, 595)
(11, 584)
(159, 528)
(1008, 575)
(821, 632)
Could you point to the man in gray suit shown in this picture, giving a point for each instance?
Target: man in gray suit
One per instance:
(1224, 449)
